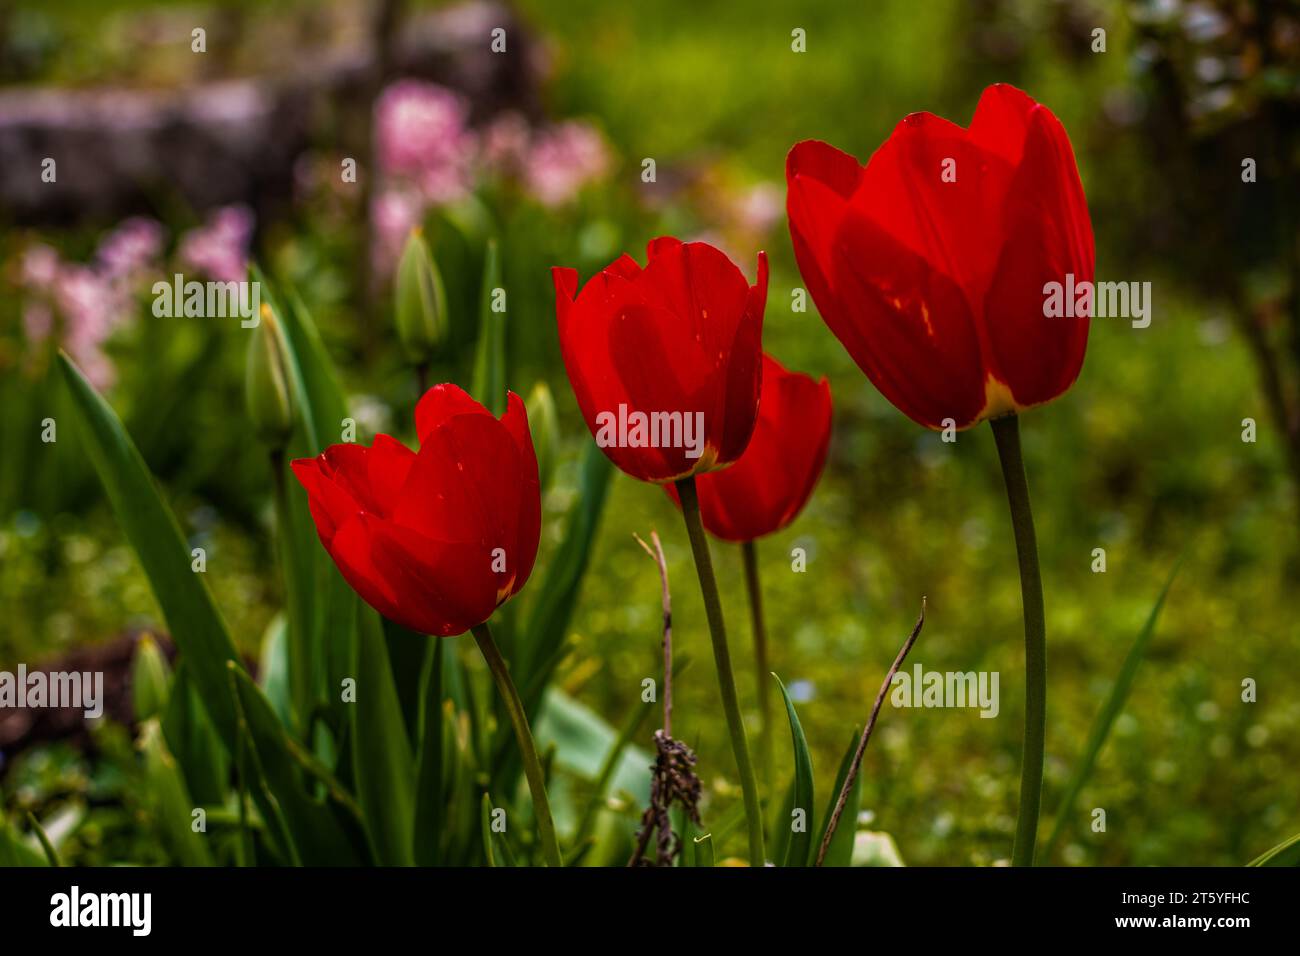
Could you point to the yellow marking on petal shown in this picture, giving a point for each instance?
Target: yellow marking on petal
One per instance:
(997, 399)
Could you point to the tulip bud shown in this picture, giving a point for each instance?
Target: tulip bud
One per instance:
(544, 424)
(266, 382)
(150, 679)
(421, 300)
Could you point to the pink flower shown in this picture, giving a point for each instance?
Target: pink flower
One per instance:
(219, 248)
(91, 310)
(422, 134)
(40, 267)
(131, 248)
(562, 160)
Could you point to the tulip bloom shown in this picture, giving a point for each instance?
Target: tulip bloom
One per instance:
(665, 360)
(933, 265)
(930, 262)
(771, 482)
(666, 365)
(436, 540)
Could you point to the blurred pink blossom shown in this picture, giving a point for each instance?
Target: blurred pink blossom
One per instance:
(219, 248)
(130, 249)
(422, 135)
(93, 300)
(506, 142)
(563, 159)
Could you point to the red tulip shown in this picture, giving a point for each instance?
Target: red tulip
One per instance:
(771, 482)
(436, 540)
(937, 287)
(664, 361)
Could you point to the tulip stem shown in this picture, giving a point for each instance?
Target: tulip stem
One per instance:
(755, 589)
(722, 657)
(1006, 432)
(527, 748)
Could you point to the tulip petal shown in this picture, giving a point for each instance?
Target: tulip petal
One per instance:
(443, 588)
(1049, 238)
(909, 327)
(441, 403)
(515, 421)
(464, 485)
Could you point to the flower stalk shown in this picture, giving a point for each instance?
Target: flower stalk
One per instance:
(527, 748)
(1006, 432)
(761, 669)
(722, 657)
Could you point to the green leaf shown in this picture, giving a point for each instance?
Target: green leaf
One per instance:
(252, 780)
(489, 384)
(408, 657)
(207, 651)
(613, 758)
(703, 847)
(170, 801)
(1286, 853)
(332, 634)
(548, 622)
(273, 669)
(840, 851)
(381, 751)
(1109, 711)
(193, 740)
(430, 798)
(582, 740)
(14, 850)
(797, 849)
(495, 848)
(326, 831)
(153, 532)
(51, 855)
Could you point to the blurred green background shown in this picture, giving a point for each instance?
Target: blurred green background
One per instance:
(1143, 457)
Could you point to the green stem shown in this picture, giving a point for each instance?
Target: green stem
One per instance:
(527, 749)
(761, 668)
(722, 657)
(1006, 432)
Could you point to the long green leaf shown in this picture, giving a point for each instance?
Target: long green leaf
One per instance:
(796, 853)
(1106, 716)
(1286, 853)
(495, 848)
(193, 740)
(150, 526)
(703, 847)
(324, 408)
(172, 805)
(325, 832)
(548, 622)
(381, 752)
(195, 624)
(430, 797)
